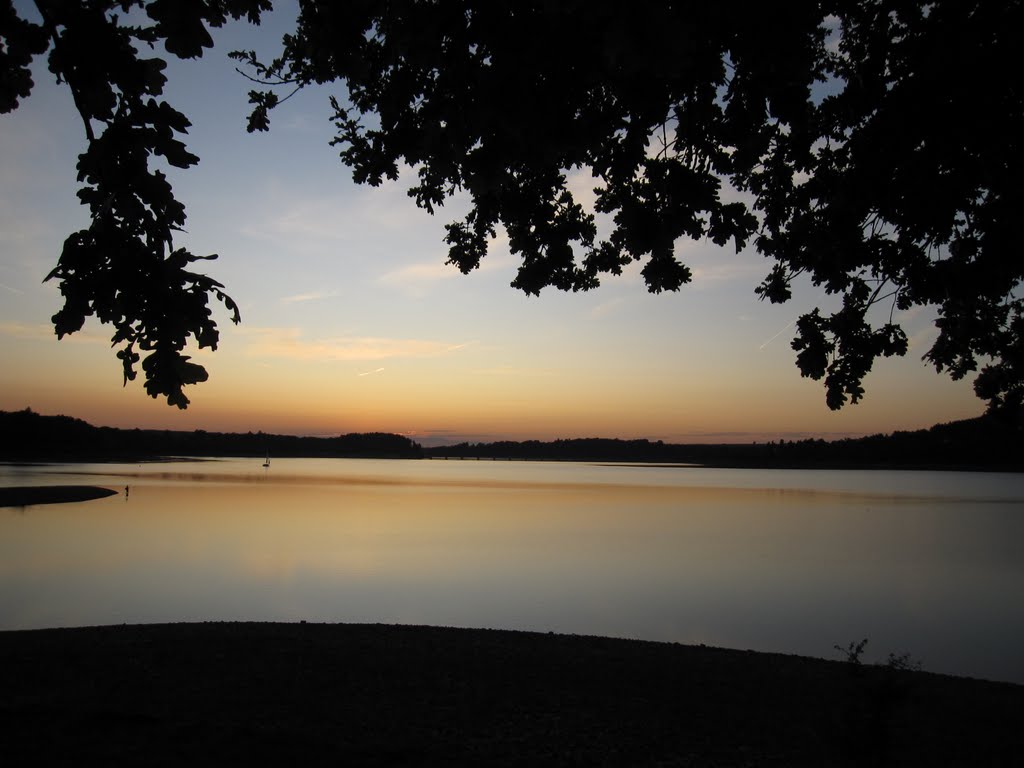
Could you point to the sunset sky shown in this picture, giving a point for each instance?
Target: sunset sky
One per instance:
(351, 321)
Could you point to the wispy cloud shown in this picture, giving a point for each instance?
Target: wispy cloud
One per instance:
(305, 219)
(25, 331)
(921, 342)
(508, 370)
(705, 274)
(420, 277)
(44, 332)
(358, 215)
(607, 307)
(314, 296)
(420, 274)
(12, 290)
(371, 373)
(289, 344)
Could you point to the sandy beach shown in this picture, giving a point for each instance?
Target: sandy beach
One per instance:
(401, 695)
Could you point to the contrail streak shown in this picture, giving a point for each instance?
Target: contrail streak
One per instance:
(773, 338)
(789, 325)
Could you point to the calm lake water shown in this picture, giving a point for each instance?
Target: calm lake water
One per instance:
(925, 563)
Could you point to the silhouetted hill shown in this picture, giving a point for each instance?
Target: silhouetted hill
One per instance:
(28, 436)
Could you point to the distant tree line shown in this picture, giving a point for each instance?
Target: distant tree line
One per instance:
(28, 436)
(982, 443)
(986, 442)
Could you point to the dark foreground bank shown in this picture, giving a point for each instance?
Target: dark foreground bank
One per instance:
(390, 695)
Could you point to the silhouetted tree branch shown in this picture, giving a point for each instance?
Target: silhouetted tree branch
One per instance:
(861, 144)
(872, 142)
(125, 268)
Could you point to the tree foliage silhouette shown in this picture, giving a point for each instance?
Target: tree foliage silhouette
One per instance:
(125, 268)
(870, 146)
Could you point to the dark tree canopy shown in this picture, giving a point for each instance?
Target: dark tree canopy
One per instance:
(125, 268)
(871, 146)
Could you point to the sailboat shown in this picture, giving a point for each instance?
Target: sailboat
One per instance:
(266, 464)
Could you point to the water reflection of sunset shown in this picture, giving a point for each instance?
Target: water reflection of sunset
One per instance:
(692, 555)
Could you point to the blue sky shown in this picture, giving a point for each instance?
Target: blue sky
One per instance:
(352, 321)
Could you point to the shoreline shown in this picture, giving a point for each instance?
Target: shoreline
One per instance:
(1012, 468)
(392, 694)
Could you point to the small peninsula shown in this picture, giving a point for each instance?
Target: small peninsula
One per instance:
(23, 496)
